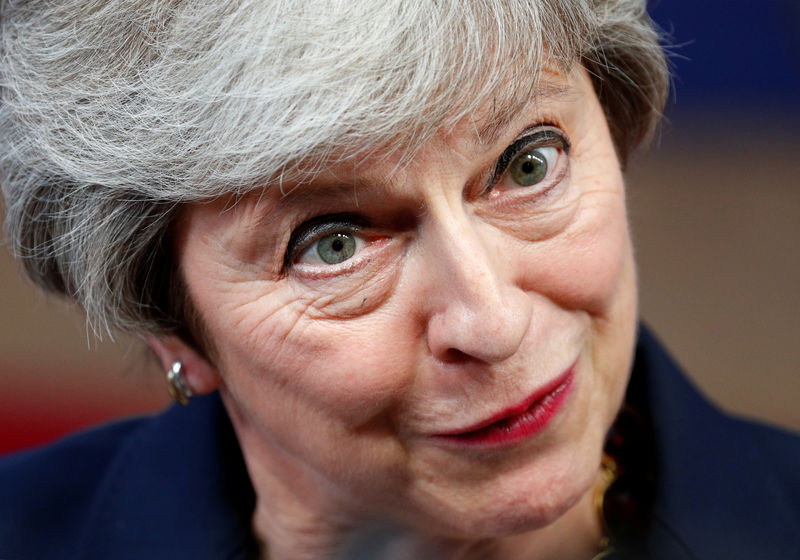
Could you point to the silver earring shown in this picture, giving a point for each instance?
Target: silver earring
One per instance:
(178, 389)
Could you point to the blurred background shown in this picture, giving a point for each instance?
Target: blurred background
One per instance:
(715, 210)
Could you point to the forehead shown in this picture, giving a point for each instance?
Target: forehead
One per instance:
(489, 122)
(481, 135)
(391, 179)
(485, 130)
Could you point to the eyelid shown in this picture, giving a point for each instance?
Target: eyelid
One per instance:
(535, 136)
(316, 228)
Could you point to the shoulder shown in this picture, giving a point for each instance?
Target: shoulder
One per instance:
(778, 452)
(52, 488)
(728, 487)
(734, 493)
(173, 485)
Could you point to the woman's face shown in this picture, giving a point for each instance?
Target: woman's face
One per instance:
(444, 343)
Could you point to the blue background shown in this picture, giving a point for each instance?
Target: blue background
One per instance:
(742, 54)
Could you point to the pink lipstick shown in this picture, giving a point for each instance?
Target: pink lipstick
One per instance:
(518, 422)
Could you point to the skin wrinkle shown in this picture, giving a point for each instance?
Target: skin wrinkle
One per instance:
(362, 308)
(332, 381)
(304, 195)
(286, 371)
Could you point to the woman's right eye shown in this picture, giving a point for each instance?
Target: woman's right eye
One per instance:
(325, 241)
(332, 248)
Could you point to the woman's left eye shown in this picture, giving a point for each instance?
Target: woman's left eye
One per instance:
(535, 158)
(531, 167)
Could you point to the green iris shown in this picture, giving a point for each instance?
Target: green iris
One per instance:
(336, 247)
(528, 168)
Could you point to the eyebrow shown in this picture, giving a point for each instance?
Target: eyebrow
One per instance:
(486, 135)
(299, 195)
(493, 130)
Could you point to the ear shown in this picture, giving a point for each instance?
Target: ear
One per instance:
(198, 373)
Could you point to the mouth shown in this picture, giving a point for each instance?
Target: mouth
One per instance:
(518, 422)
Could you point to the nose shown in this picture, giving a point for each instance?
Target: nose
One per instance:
(475, 310)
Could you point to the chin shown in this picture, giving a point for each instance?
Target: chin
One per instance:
(532, 494)
(543, 502)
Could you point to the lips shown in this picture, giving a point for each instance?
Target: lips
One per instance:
(519, 421)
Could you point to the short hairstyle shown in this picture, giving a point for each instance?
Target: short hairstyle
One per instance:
(116, 113)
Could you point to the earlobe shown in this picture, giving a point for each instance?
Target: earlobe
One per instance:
(197, 373)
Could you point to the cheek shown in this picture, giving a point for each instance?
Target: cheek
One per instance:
(345, 372)
(293, 348)
(583, 269)
(364, 288)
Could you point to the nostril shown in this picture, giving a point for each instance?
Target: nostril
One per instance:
(454, 356)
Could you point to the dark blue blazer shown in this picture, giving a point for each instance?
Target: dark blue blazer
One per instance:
(175, 486)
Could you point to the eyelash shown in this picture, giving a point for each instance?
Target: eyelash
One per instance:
(533, 137)
(316, 228)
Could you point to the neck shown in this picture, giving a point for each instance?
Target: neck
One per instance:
(296, 533)
(296, 518)
(574, 536)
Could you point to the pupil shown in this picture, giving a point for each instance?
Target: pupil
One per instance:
(336, 247)
(529, 168)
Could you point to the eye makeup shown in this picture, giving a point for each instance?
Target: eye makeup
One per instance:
(312, 230)
(531, 138)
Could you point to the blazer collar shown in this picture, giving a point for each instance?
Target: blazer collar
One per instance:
(717, 494)
(178, 488)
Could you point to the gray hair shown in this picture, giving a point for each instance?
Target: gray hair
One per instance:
(116, 113)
